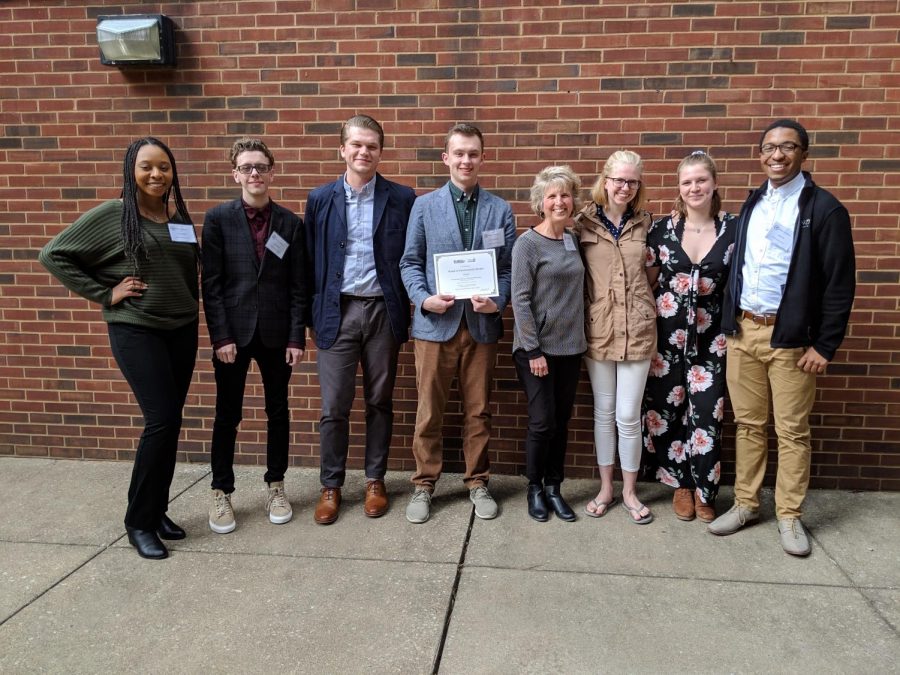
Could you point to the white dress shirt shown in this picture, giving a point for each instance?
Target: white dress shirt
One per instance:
(770, 243)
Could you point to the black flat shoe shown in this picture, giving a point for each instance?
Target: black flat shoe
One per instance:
(147, 543)
(169, 530)
(537, 506)
(562, 510)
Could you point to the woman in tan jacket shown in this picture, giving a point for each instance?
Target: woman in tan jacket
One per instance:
(620, 324)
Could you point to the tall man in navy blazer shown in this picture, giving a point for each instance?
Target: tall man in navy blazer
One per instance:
(255, 299)
(455, 338)
(355, 229)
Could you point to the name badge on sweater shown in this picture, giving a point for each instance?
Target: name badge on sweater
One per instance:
(277, 245)
(493, 238)
(182, 232)
(569, 242)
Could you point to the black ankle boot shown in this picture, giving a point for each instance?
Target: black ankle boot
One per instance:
(147, 543)
(562, 510)
(169, 530)
(537, 506)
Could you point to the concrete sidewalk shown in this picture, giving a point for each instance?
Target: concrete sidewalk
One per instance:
(455, 595)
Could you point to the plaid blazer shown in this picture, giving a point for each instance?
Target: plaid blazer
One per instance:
(242, 294)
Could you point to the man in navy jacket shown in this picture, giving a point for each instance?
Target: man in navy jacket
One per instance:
(255, 301)
(355, 232)
(785, 313)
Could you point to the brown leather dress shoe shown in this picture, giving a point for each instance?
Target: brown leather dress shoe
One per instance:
(683, 504)
(376, 499)
(705, 512)
(328, 506)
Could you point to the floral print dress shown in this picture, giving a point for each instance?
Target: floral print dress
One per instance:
(685, 390)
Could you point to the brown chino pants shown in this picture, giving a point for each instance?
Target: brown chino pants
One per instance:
(436, 365)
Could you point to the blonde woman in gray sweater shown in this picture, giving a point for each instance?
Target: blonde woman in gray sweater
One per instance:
(548, 337)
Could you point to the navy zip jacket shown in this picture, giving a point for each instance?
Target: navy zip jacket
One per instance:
(821, 281)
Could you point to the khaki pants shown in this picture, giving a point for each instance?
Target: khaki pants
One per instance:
(437, 363)
(753, 367)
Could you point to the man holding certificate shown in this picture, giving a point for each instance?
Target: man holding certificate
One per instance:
(456, 269)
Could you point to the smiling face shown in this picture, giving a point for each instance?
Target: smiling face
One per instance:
(558, 204)
(696, 187)
(622, 195)
(152, 173)
(463, 156)
(253, 185)
(361, 151)
(782, 167)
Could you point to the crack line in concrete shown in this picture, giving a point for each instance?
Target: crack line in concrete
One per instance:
(449, 614)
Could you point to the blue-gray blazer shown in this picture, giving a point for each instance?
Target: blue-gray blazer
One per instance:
(433, 228)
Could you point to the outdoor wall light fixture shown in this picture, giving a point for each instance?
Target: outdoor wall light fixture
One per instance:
(136, 40)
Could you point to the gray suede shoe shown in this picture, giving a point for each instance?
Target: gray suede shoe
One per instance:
(732, 520)
(793, 537)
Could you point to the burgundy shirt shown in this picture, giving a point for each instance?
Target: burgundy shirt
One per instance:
(259, 226)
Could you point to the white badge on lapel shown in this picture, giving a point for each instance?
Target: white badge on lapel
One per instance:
(493, 238)
(277, 245)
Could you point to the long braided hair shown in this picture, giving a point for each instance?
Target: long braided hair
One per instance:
(132, 231)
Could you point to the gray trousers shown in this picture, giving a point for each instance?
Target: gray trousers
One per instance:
(365, 337)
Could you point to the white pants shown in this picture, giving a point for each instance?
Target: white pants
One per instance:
(618, 392)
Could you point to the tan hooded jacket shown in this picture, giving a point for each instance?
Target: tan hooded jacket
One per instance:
(620, 313)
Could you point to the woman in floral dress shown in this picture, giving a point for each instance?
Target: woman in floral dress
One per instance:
(690, 252)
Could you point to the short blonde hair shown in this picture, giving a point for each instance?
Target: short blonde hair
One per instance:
(555, 175)
(598, 192)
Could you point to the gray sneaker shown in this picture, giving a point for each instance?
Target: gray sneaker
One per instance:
(732, 520)
(419, 508)
(277, 505)
(485, 506)
(793, 537)
(221, 515)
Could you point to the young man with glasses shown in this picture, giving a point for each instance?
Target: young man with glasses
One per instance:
(786, 310)
(355, 230)
(255, 299)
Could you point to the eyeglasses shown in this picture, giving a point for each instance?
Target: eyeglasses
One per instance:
(622, 182)
(786, 148)
(247, 169)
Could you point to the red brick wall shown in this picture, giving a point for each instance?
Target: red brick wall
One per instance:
(555, 81)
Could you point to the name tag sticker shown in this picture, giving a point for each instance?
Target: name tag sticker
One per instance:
(569, 242)
(781, 237)
(493, 238)
(182, 232)
(277, 245)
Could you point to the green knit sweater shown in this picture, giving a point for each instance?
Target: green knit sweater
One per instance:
(88, 258)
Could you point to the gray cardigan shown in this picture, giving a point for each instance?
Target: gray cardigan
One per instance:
(548, 296)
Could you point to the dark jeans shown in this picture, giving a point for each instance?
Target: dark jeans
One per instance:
(158, 364)
(365, 337)
(550, 401)
(231, 379)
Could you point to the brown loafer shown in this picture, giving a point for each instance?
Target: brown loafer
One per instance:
(683, 504)
(705, 512)
(328, 506)
(376, 499)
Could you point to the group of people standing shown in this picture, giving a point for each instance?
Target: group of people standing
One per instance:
(654, 309)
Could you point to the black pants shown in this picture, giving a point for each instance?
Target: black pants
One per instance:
(158, 364)
(231, 378)
(550, 401)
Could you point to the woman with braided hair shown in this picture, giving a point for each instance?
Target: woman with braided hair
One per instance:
(137, 258)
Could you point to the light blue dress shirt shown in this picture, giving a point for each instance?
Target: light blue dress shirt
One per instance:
(360, 277)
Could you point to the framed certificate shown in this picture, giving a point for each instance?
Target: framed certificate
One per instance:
(466, 273)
